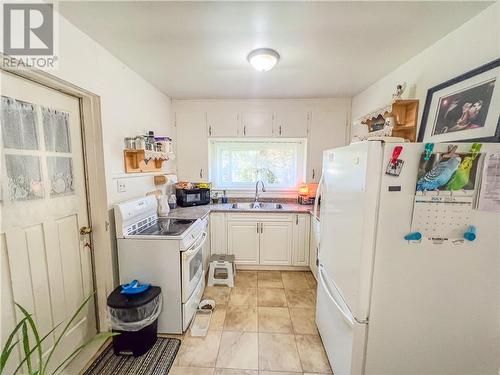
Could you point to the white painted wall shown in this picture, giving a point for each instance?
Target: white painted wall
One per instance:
(473, 44)
(129, 104)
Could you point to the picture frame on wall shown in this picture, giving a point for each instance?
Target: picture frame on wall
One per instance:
(465, 108)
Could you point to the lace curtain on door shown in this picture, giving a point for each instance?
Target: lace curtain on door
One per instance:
(57, 139)
(26, 158)
(19, 132)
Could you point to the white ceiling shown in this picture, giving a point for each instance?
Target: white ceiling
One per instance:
(328, 49)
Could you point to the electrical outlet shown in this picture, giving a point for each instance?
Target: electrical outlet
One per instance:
(121, 186)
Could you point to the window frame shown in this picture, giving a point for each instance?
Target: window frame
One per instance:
(301, 161)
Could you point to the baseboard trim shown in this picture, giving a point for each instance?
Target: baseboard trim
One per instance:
(271, 268)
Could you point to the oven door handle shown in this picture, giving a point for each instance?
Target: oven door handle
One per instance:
(188, 253)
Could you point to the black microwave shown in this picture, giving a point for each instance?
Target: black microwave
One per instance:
(192, 197)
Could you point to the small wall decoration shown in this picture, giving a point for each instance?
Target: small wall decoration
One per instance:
(465, 108)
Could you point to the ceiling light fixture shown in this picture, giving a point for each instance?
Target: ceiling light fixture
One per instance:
(263, 59)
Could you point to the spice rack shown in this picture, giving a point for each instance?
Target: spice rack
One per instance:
(139, 161)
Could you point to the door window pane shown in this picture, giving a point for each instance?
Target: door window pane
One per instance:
(19, 124)
(60, 175)
(56, 130)
(25, 177)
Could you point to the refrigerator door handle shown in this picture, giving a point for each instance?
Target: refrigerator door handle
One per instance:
(348, 316)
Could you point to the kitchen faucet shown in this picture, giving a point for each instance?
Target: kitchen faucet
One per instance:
(256, 201)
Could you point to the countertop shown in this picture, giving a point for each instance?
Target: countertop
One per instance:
(199, 212)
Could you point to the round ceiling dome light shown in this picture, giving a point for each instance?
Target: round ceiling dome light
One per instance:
(263, 59)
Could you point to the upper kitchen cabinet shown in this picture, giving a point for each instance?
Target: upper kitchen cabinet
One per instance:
(192, 146)
(223, 123)
(293, 124)
(327, 129)
(257, 124)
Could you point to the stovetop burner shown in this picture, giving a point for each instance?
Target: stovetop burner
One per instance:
(166, 227)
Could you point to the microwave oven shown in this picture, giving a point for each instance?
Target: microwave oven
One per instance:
(192, 197)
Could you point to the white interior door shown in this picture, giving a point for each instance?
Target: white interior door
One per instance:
(44, 205)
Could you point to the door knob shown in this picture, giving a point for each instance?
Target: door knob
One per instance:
(85, 230)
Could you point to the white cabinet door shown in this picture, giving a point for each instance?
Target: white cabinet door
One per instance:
(276, 243)
(192, 146)
(326, 130)
(223, 123)
(243, 241)
(301, 240)
(218, 234)
(291, 124)
(206, 247)
(257, 124)
(314, 247)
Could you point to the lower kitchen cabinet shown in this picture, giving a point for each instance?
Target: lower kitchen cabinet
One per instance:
(301, 240)
(276, 243)
(267, 240)
(314, 246)
(218, 233)
(243, 241)
(206, 247)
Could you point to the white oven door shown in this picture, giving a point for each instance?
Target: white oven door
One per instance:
(192, 266)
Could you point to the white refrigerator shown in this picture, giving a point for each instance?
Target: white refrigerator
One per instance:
(386, 306)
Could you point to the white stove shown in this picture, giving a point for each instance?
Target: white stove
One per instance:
(165, 252)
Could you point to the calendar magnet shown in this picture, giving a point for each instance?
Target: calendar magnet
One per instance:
(414, 236)
(395, 165)
(470, 234)
(428, 151)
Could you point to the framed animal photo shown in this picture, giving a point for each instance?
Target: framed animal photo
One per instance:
(465, 108)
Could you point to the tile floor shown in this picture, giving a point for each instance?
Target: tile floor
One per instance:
(265, 325)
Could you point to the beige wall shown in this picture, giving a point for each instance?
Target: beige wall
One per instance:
(129, 104)
(473, 44)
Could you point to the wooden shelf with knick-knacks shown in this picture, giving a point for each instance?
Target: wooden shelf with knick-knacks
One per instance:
(139, 161)
(405, 116)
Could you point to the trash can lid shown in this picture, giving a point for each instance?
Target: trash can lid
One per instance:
(119, 300)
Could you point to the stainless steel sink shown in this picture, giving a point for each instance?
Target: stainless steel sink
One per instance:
(257, 206)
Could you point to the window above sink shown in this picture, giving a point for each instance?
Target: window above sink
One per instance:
(237, 163)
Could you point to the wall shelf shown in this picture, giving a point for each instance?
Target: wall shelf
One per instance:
(405, 114)
(140, 161)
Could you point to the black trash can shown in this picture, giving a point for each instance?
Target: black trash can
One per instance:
(135, 317)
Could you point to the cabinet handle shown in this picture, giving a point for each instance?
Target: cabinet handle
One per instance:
(210, 130)
(201, 173)
(314, 174)
(244, 130)
(296, 219)
(280, 129)
(261, 227)
(258, 227)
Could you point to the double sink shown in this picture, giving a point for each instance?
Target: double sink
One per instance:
(256, 206)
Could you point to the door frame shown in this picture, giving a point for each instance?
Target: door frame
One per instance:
(95, 183)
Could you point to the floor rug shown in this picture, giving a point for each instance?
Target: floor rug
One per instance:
(157, 361)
